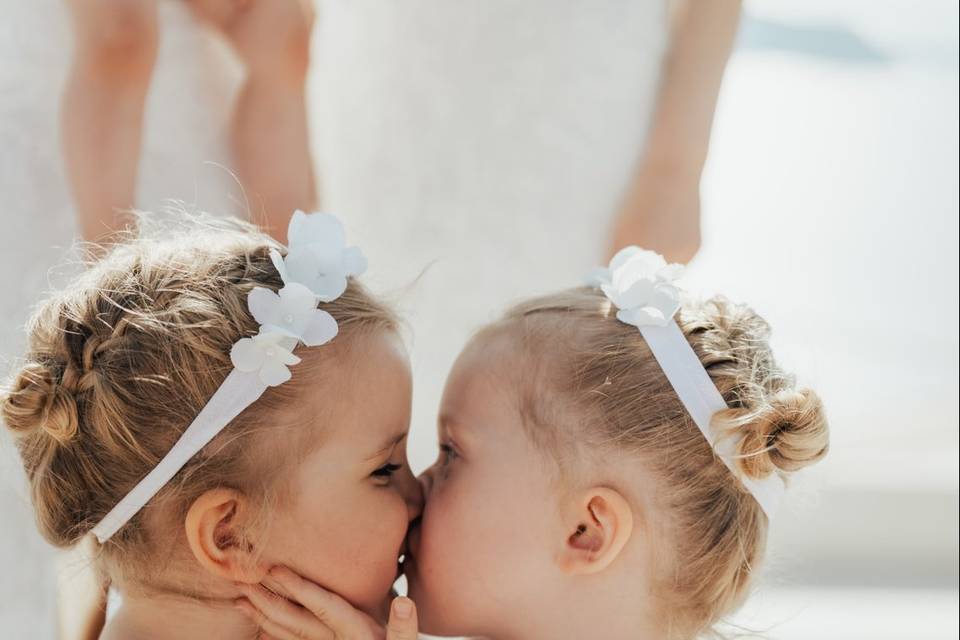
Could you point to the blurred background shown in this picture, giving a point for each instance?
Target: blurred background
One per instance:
(829, 199)
(830, 203)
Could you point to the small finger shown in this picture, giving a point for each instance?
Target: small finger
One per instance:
(335, 612)
(402, 624)
(276, 587)
(269, 630)
(286, 614)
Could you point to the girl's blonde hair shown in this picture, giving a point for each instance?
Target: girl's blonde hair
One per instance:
(586, 360)
(121, 361)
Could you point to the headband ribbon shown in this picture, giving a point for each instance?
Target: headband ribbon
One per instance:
(640, 284)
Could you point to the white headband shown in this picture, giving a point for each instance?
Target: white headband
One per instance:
(640, 284)
(316, 268)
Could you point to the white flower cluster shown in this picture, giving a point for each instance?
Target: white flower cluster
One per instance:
(315, 269)
(640, 284)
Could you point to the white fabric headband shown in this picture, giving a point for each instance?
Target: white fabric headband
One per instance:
(640, 284)
(315, 269)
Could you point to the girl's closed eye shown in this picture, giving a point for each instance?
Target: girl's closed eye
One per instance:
(384, 473)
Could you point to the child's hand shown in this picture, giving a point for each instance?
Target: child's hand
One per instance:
(317, 614)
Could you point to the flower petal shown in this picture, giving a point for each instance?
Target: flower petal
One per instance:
(286, 357)
(246, 355)
(305, 267)
(297, 226)
(329, 288)
(354, 262)
(666, 298)
(326, 258)
(622, 256)
(278, 264)
(643, 264)
(320, 329)
(274, 373)
(297, 299)
(302, 265)
(263, 304)
(637, 294)
(322, 228)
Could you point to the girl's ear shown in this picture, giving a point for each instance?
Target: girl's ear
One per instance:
(214, 526)
(598, 525)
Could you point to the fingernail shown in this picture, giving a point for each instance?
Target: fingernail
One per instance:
(402, 607)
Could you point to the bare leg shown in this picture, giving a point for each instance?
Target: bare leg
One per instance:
(271, 142)
(102, 110)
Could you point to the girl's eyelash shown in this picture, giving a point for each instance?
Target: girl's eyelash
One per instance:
(387, 470)
(449, 453)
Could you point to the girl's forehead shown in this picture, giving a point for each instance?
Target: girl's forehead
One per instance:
(481, 398)
(362, 397)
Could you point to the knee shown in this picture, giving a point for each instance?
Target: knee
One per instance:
(120, 37)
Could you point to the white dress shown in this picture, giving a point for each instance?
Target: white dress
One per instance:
(483, 141)
(486, 141)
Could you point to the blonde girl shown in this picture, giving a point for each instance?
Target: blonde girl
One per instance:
(200, 405)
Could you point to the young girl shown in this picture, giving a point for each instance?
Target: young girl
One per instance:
(167, 409)
(610, 462)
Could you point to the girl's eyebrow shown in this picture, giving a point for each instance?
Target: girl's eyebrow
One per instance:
(390, 443)
(450, 427)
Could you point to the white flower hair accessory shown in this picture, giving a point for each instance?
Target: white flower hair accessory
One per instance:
(318, 256)
(316, 269)
(291, 313)
(641, 285)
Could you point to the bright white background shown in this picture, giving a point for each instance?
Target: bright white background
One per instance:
(830, 203)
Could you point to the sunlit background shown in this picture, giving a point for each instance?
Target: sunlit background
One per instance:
(830, 203)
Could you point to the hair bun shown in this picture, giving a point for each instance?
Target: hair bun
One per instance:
(786, 433)
(36, 402)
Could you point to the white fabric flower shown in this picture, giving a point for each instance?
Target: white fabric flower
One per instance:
(640, 284)
(293, 312)
(318, 256)
(265, 354)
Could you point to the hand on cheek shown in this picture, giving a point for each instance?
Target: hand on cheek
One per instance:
(310, 612)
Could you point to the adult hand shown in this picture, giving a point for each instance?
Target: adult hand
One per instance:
(310, 612)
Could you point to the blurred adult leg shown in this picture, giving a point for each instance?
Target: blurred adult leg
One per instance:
(102, 112)
(270, 138)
